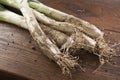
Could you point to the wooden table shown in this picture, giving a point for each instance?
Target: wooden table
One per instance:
(21, 59)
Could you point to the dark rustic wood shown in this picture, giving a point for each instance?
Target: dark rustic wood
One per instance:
(21, 59)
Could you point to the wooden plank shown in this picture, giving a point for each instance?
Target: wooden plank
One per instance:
(20, 55)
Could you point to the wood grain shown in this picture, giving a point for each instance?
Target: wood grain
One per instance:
(21, 59)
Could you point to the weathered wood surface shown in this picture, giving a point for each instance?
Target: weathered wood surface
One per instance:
(20, 56)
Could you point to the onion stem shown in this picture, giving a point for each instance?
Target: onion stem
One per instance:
(11, 17)
(48, 48)
(82, 33)
(61, 26)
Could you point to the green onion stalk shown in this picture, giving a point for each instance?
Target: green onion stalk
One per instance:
(56, 14)
(63, 60)
(39, 17)
(75, 25)
(66, 62)
(44, 19)
(61, 26)
(11, 17)
(84, 26)
(102, 48)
